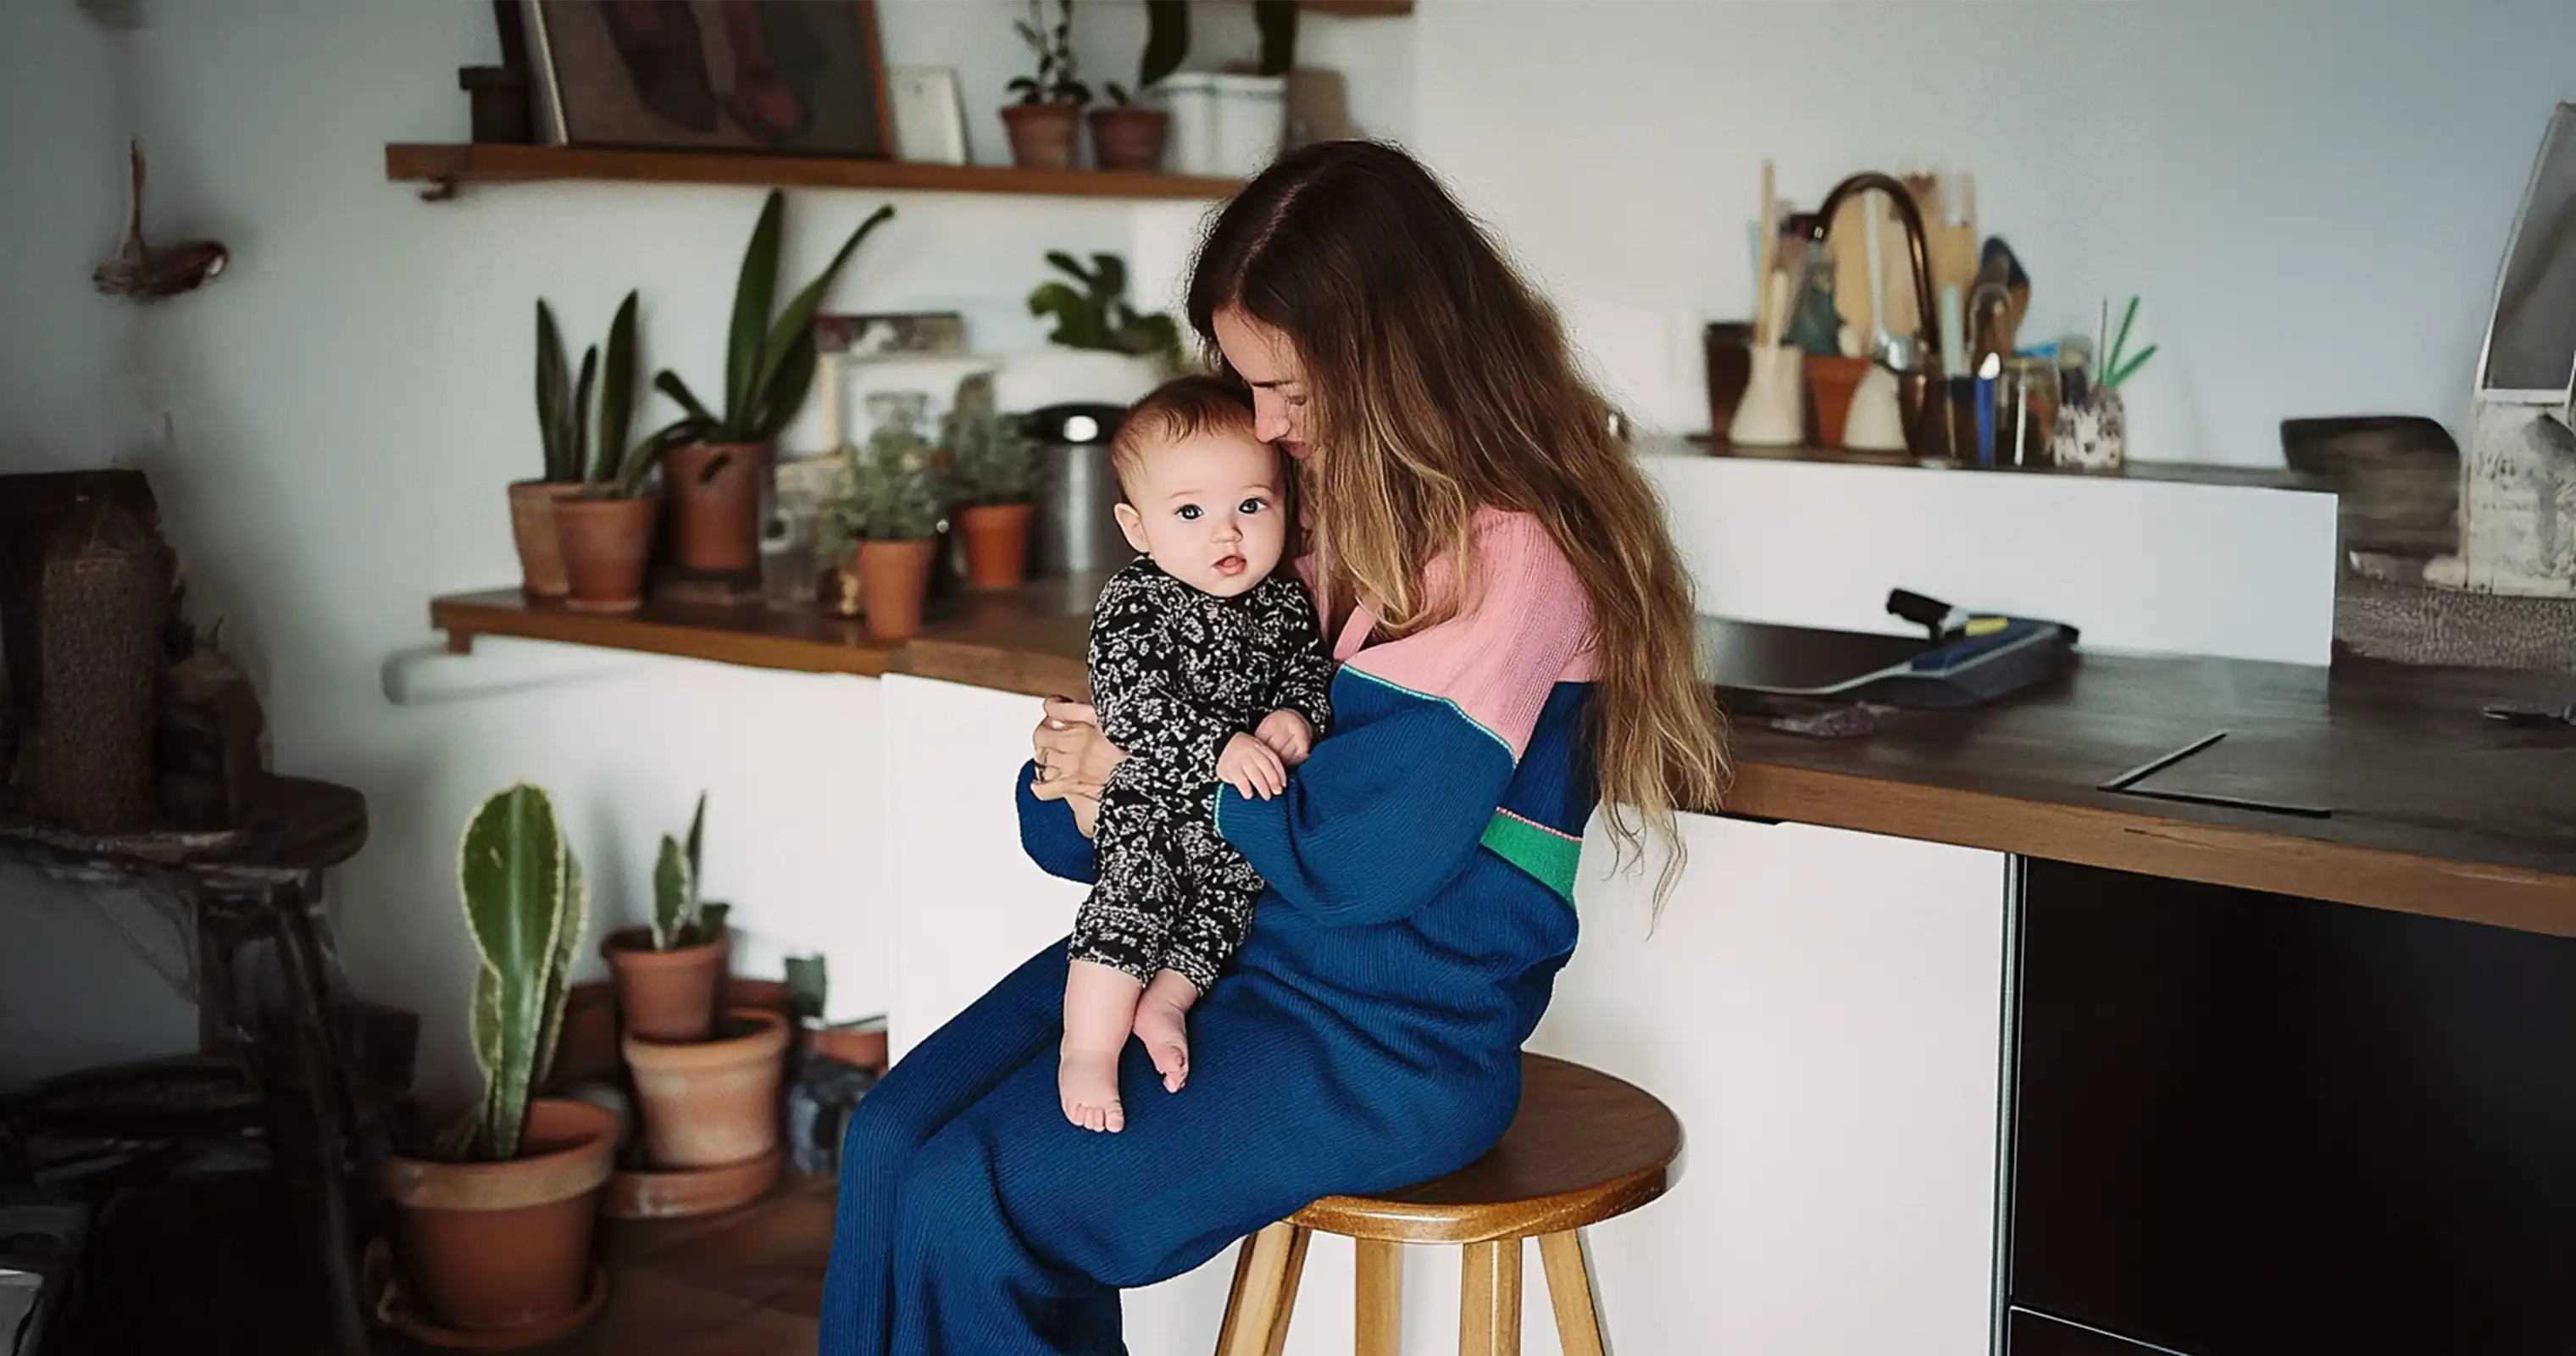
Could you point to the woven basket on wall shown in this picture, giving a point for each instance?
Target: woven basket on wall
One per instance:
(102, 599)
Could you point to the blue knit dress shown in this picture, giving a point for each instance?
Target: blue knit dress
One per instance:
(1421, 868)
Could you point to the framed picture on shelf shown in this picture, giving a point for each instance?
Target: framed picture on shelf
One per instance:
(891, 334)
(929, 116)
(791, 77)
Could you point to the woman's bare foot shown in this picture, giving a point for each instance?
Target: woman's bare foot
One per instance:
(1163, 1024)
(1087, 1080)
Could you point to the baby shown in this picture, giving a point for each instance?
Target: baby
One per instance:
(1205, 666)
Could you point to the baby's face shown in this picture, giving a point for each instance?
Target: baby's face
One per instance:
(1207, 509)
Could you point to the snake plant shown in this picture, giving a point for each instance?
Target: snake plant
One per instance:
(680, 918)
(526, 910)
(769, 363)
(575, 433)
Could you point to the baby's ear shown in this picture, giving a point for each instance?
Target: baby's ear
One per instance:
(1133, 524)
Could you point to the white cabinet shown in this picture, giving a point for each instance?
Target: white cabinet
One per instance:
(1821, 1008)
(965, 905)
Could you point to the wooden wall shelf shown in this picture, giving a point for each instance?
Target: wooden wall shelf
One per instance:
(1360, 9)
(447, 166)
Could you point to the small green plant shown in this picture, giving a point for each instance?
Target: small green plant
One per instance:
(526, 909)
(769, 363)
(1054, 82)
(990, 457)
(894, 493)
(1167, 44)
(808, 983)
(1096, 314)
(680, 918)
(2114, 371)
(574, 440)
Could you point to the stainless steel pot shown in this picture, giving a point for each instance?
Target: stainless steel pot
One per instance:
(1075, 527)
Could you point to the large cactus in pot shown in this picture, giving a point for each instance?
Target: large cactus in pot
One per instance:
(527, 910)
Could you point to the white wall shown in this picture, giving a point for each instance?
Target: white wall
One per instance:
(2312, 195)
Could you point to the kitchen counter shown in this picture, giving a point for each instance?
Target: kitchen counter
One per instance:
(2429, 807)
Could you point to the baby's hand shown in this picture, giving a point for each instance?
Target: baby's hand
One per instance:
(1288, 735)
(1251, 767)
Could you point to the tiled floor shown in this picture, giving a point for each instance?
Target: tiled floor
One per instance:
(747, 1283)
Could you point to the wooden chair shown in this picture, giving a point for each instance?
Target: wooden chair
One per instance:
(1583, 1148)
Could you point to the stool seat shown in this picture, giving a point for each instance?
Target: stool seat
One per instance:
(1584, 1147)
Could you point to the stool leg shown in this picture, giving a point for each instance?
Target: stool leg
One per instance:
(1381, 1296)
(1265, 1291)
(1569, 1286)
(1489, 1300)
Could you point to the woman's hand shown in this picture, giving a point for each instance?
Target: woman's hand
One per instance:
(1074, 759)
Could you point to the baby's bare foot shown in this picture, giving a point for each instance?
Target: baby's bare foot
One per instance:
(1163, 1025)
(1087, 1080)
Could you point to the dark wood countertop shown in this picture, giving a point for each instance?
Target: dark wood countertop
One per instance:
(2433, 808)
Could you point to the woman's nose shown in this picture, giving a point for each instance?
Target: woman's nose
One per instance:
(1269, 416)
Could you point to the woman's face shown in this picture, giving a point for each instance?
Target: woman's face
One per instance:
(1262, 355)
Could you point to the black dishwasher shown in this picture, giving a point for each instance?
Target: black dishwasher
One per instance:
(2248, 1124)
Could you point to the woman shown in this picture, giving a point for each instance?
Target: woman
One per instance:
(1516, 638)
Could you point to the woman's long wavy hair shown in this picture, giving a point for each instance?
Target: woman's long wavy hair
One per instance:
(1436, 381)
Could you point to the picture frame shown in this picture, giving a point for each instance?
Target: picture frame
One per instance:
(891, 334)
(929, 116)
(782, 77)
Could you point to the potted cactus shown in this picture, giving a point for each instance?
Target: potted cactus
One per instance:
(496, 1217)
(668, 971)
(887, 527)
(1047, 120)
(578, 448)
(720, 452)
(990, 461)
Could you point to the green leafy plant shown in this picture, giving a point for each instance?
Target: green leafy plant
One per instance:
(990, 457)
(1054, 82)
(575, 442)
(808, 983)
(2114, 371)
(680, 918)
(1096, 315)
(894, 493)
(1167, 44)
(526, 910)
(769, 363)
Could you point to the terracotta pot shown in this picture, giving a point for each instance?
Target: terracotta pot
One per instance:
(714, 1101)
(718, 514)
(997, 544)
(588, 1046)
(862, 1044)
(894, 576)
(1130, 138)
(494, 1247)
(665, 995)
(1830, 383)
(606, 543)
(684, 1193)
(768, 995)
(1042, 135)
(532, 526)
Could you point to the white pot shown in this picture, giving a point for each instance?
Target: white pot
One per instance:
(1225, 125)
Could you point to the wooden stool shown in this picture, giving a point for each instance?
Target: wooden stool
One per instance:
(1583, 1148)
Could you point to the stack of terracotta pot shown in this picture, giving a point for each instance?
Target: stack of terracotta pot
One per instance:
(706, 1077)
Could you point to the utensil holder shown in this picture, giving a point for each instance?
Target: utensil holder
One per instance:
(1877, 420)
(2092, 434)
(1773, 412)
(1725, 348)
